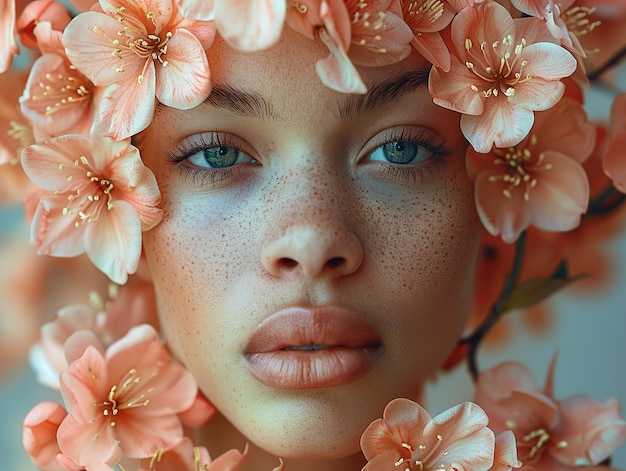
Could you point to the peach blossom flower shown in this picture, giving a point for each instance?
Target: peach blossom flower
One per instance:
(124, 401)
(139, 50)
(100, 197)
(8, 34)
(540, 181)
(186, 457)
(379, 34)
(614, 162)
(57, 99)
(39, 434)
(502, 70)
(330, 21)
(250, 25)
(505, 454)
(406, 435)
(551, 435)
(37, 11)
(426, 18)
(110, 320)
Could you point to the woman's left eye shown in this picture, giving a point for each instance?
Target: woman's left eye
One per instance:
(401, 152)
(219, 157)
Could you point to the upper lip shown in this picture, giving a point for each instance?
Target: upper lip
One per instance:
(318, 327)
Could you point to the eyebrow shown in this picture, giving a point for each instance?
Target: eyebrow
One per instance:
(240, 102)
(251, 104)
(384, 93)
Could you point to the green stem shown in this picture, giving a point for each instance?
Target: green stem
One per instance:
(497, 310)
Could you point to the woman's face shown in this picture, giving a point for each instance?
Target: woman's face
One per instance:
(316, 255)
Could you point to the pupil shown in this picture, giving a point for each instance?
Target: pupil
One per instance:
(221, 156)
(400, 152)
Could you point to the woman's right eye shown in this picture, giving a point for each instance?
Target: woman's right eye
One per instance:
(219, 157)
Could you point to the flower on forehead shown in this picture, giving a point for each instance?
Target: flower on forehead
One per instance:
(123, 402)
(379, 34)
(97, 197)
(139, 50)
(551, 435)
(8, 34)
(502, 70)
(329, 20)
(57, 99)
(540, 181)
(186, 457)
(249, 25)
(426, 18)
(407, 438)
(614, 161)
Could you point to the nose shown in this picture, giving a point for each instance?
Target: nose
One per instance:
(312, 250)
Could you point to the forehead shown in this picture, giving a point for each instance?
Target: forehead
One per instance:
(287, 71)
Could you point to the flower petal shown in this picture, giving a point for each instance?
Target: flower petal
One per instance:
(185, 81)
(113, 242)
(250, 25)
(336, 71)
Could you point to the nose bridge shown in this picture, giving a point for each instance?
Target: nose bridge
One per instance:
(312, 234)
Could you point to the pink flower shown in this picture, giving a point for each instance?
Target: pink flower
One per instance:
(8, 34)
(249, 25)
(614, 162)
(505, 454)
(378, 33)
(540, 181)
(426, 18)
(39, 434)
(109, 321)
(100, 197)
(139, 50)
(57, 99)
(501, 71)
(406, 435)
(551, 435)
(330, 21)
(123, 402)
(186, 457)
(37, 11)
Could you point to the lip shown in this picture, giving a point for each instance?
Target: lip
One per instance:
(344, 348)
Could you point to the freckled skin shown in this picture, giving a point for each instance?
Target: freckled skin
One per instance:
(228, 254)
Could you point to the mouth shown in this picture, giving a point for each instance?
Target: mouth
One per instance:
(309, 348)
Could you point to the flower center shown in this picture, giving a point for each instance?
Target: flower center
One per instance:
(366, 25)
(61, 91)
(117, 398)
(500, 65)
(421, 12)
(137, 40)
(24, 135)
(521, 166)
(416, 461)
(94, 194)
(577, 20)
(531, 446)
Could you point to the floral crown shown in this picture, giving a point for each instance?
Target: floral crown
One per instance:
(517, 71)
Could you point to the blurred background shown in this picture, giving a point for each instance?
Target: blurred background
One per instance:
(585, 323)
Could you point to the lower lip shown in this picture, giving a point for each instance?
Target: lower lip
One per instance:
(325, 368)
(351, 348)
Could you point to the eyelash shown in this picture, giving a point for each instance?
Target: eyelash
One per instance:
(411, 173)
(203, 176)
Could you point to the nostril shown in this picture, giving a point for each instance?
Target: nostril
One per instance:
(287, 262)
(335, 262)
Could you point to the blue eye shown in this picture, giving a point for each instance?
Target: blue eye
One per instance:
(401, 152)
(219, 157)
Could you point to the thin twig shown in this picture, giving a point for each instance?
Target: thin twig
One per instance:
(612, 62)
(497, 310)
